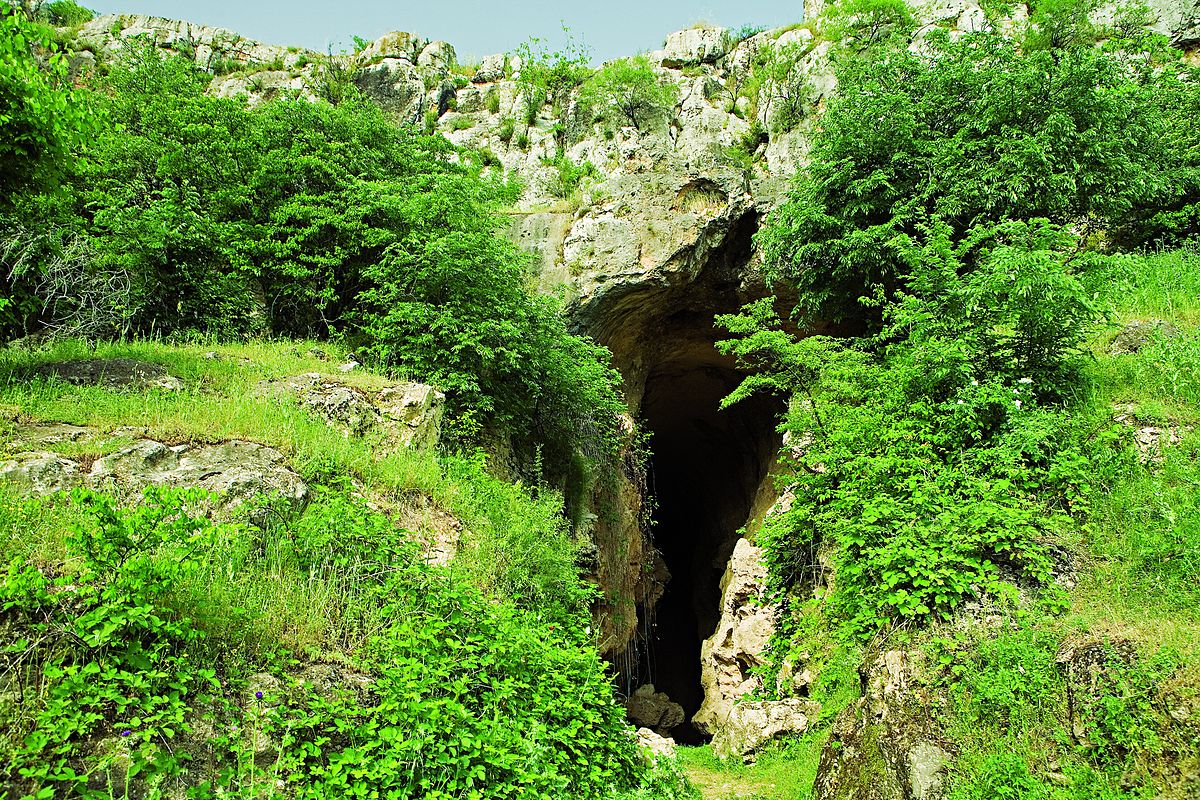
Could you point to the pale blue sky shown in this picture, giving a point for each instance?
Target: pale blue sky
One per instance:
(609, 27)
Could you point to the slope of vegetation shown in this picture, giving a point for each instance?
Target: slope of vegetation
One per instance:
(160, 646)
(974, 451)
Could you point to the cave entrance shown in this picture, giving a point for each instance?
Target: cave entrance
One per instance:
(708, 468)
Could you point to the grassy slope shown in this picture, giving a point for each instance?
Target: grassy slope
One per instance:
(1138, 573)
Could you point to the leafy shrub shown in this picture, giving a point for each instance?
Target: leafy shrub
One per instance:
(66, 14)
(548, 76)
(505, 130)
(44, 120)
(467, 696)
(967, 119)
(629, 90)
(315, 219)
(567, 175)
(493, 102)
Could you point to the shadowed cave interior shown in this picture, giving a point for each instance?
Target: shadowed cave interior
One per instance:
(707, 468)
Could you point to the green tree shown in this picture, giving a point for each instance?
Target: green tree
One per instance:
(42, 119)
(629, 90)
(976, 129)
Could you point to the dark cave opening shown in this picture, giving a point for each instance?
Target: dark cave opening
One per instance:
(708, 466)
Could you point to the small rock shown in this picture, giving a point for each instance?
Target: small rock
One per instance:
(654, 746)
(212, 355)
(1139, 333)
(750, 726)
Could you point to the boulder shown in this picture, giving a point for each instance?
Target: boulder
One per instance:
(655, 747)
(740, 641)
(750, 726)
(395, 85)
(438, 56)
(650, 709)
(112, 373)
(399, 45)
(886, 746)
(699, 45)
(237, 470)
(39, 473)
(491, 69)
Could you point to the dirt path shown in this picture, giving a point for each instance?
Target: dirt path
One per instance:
(715, 785)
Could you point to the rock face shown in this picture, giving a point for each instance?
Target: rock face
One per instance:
(113, 373)
(407, 414)
(650, 709)
(208, 47)
(886, 746)
(751, 726)
(740, 641)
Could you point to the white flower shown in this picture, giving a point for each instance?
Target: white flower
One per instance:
(974, 383)
(960, 402)
(1017, 403)
(1025, 380)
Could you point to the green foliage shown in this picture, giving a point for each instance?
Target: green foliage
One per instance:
(137, 682)
(628, 90)
(869, 23)
(746, 31)
(567, 175)
(930, 461)
(300, 218)
(43, 121)
(66, 14)
(504, 131)
(549, 76)
(776, 87)
(979, 131)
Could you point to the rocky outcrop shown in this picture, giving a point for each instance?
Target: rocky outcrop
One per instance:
(698, 45)
(1136, 335)
(236, 471)
(211, 48)
(648, 708)
(739, 644)
(112, 373)
(750, 726)
(886, 746)
(406, 414)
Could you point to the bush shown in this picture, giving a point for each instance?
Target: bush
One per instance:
(132, 692)
(630, 91)
(66, 14)
(567, 175)
(974, 137)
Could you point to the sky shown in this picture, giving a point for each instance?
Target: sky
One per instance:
(610, 28)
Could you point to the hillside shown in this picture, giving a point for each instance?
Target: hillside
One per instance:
(806, 412)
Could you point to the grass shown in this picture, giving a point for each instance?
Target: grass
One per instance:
(513, 544)
(1138, 567)
(780, 773)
